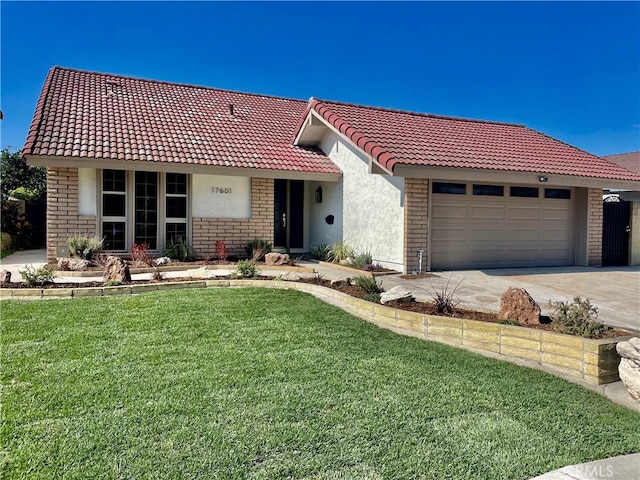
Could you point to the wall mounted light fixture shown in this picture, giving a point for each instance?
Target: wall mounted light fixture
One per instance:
(319, 195)
(542, 179)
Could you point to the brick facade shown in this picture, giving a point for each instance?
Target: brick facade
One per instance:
(416, 222)
(237, 232)
(594, 227)
(63, 220)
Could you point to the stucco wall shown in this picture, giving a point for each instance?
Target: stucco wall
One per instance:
(217, 196)
(372, 206)
(319, 230)
(634, 240)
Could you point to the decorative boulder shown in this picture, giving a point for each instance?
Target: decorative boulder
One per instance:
(5, 276)
(629, 368)
(290, 276)
(275, 259)
(117, 270)
(73, 264)
(162, 261)
(517, 304)
(339, 282)
(398, 293)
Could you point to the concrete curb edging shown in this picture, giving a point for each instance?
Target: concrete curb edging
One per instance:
(593, 361)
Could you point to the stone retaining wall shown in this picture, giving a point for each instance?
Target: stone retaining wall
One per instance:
(594, 361)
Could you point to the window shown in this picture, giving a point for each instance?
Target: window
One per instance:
(176, 207)
(450, 188)
(114, 209)
(528, 192)
(143, 207)
(563, 193)
(491, 190)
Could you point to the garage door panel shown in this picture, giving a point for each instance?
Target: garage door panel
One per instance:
(449, 211)
(523, 213)
(487, 212)
(474, 231)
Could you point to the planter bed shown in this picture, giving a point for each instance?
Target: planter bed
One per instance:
(592, 360)
(359, 271)
(178, 267)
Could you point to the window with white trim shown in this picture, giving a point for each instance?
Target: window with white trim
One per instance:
(176, 207)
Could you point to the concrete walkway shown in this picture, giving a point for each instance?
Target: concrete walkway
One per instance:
(624, 467)
(19, 260)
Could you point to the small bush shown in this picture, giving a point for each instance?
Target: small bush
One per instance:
(178, 249)
(222, 252)
(317, 278)
(508, 321)
(247, 269)
(340, 252)
(372, 267)
(577, 318)
(372, 297)
(368, 284)
(319, 251)
(257, 248)
(157, 276)
(37, 276)
(85, 247)
(111, 283)
(140, 254)
(359, 260)
(445, 300)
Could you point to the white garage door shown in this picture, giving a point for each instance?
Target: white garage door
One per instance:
(497, 226)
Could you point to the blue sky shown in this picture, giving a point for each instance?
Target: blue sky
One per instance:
(570, 70)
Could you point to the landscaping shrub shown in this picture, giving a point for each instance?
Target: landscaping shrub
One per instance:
(179, 249)
(360, 260)
(257, 248)
(372, 297)
(85, 247)
(37, 276)
(319, 251)
(368, 284)
(140, 254)
(111, 283)
(445, 300)
(247, 269)
(222, 252)
(577, 318)
(340, 252)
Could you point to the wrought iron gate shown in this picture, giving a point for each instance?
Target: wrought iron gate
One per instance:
(615, 232)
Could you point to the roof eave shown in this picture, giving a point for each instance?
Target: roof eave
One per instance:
(175, 167)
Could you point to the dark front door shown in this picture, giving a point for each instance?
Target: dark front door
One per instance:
(288, 214)
(615, 232)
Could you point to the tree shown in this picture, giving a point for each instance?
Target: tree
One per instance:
(16, 174)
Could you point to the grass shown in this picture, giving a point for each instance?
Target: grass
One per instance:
(266, 384)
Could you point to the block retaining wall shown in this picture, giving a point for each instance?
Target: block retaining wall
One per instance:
(594, 361)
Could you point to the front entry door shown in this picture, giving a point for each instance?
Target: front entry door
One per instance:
(288, 214)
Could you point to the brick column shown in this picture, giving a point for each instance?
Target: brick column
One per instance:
(63, 220)
(237, 232)
(594, 227)
(416, 222)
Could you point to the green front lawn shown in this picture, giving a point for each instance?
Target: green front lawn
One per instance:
(265, 384)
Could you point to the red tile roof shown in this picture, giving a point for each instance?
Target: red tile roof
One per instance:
(93, 115)
(630, 161)
(394, 137)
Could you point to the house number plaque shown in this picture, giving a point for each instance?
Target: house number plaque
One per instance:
(222, 190)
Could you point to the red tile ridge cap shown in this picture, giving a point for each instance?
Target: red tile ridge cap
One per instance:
(178, 84)
(419, 114)
(382, 157)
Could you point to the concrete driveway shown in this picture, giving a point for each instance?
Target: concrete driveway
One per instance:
(615, 291)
